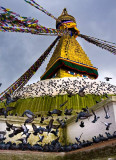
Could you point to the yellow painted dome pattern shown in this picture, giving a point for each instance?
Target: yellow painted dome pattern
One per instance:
(70, 49)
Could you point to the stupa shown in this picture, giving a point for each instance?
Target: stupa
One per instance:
(69, 59)
(67, 70)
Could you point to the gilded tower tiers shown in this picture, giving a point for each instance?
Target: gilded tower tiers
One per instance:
(69, 59)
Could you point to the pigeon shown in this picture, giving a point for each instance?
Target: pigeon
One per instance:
(39, 130)
(70, 94)
(114, 134)
(102, 138)
(86, 109)
(95, 117)
(107, 78)
(29, 120)
(25, 129)
(82, 115)
(9, 99)
(96, 139)
(61, 122)
(55, 111)
(55, 132)
(106, 112)
(82, 124)
(106, 95)
(107, 125)
(16, 130)
(4, 111)
(63, 103)
(28, 113)
(109, 136)
(42, 119)
(2, 134)
(49, 127)
(40, 138)
(55, 141)
(24, 139)
(81, 92)
(9, 126)
(68, 111)
(78, 138)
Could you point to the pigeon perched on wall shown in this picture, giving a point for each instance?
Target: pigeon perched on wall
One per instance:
(55, 141)
(2, 134)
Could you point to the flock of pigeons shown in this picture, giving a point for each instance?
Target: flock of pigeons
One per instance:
(55, 145)
(59, 86)
(50, 128)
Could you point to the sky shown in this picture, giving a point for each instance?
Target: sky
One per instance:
(18, 51)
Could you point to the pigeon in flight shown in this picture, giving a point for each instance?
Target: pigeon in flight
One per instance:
(107, 125)
(82, 124)
(9, 99)
(28, 113)
(63, 103)
(68, 111)
(78, 138)
(4, 111)
(82, 115)
(55, 111)
(40, 138)
(81, 92)
(70, 94)
(108, 78)
(106, 112)
(95, 117)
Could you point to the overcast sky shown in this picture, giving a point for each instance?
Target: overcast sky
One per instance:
(18, 51)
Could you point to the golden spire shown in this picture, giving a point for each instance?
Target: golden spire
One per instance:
(69, 59)
(65, 16)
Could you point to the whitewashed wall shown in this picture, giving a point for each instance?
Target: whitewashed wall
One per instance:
(93, 129)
